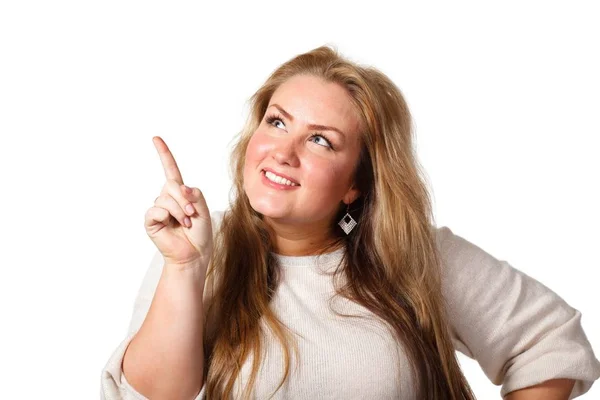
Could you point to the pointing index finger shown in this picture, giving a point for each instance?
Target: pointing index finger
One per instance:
(167, 160)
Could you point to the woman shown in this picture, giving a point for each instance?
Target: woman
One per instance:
(327, 277)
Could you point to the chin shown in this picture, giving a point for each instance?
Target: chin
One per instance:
(266, 204)
(272, 211)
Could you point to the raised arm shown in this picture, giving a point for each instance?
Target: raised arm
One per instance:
(163, 355)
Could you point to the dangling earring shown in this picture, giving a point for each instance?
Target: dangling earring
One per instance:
(347, 223)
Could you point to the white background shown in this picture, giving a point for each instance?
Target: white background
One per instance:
(505, 100)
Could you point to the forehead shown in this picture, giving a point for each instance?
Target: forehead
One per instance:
(311, 100)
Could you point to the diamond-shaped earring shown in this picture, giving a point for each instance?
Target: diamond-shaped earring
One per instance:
(347, 223)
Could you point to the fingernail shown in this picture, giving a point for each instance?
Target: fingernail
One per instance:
(187, 222)
(188, 189)
(189, 208)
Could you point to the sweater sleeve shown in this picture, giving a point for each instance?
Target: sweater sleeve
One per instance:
(519, 331)
(114, 385)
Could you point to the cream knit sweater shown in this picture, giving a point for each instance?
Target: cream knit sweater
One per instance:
(520, 332)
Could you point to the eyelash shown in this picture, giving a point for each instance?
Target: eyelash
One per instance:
(274, 117)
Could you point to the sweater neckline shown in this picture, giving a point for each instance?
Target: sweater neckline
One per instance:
(333, 257)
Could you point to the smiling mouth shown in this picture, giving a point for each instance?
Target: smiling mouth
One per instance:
(264, 173)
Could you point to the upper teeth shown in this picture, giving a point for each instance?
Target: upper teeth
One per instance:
(278, 179)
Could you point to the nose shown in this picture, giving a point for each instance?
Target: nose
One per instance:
(285, 153)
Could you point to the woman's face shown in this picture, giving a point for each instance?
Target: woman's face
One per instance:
(322, 165)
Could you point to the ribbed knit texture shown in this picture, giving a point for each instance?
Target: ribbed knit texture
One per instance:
(520, 332)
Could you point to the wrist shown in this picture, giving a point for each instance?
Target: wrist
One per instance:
(195, 271)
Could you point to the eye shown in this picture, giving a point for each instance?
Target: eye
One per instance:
(273, 118)
(321, 136)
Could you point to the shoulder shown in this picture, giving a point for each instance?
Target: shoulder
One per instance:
(455, 250)
(441, 234)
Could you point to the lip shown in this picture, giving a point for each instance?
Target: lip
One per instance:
(281, 175)
(275, 185)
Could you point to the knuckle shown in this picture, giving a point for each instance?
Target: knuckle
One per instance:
(194, 192)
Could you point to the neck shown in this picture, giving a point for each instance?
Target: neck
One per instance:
(301, 240)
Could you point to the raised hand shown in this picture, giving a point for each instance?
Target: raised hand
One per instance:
(179, 222)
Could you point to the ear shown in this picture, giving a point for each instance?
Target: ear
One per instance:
(352, 194)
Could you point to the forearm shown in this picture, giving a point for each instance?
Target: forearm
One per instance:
(165, 359)
(555, 389)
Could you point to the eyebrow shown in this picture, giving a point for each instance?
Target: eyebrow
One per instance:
(311, 126)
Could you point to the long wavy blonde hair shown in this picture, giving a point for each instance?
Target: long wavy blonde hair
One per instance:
(391, 262)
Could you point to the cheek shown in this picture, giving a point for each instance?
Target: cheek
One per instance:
(327, 178)
(257, 147)
(255, 153)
